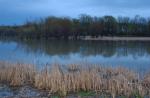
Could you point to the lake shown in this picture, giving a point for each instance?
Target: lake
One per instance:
(131, 54)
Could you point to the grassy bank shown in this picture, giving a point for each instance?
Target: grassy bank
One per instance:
(76, 79)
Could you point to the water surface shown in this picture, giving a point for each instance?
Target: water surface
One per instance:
(131, 54)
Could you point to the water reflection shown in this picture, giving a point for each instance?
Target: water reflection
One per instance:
(124, 53)
(87, 48)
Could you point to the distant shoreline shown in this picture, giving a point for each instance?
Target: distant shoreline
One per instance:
(87, 38)
(118, 38)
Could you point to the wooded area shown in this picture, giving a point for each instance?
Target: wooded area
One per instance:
(85, 25)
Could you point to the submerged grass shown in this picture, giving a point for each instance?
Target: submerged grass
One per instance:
(76, 79)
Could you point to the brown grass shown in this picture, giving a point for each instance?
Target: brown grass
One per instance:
(16, 74)
(75, 78)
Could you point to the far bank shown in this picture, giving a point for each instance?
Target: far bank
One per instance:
(118, 38)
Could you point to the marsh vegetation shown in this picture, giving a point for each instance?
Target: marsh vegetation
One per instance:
(75, 78)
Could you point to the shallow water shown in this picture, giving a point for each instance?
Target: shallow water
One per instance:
(131, 54)
(20, 92)
(28, 92)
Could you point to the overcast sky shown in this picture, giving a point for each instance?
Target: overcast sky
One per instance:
(18, 11)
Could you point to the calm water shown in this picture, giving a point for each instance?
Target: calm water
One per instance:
(134, 55)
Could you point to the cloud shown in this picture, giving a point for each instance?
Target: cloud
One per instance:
(17, 11)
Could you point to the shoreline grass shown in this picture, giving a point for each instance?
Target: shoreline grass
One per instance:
(75, 78)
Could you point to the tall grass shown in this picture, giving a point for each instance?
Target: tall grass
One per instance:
(75, 78)
(16, 74)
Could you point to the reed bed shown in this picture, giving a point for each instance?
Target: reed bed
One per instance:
(75, 78)
(16, 74)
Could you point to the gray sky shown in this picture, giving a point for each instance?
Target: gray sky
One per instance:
(18, 11)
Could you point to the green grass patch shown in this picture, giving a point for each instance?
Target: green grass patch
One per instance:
(86, 93)
(137, 95)
(55, 96)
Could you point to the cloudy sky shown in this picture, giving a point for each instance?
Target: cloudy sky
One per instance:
(19, 11)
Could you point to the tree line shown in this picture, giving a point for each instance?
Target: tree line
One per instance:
(85, 25)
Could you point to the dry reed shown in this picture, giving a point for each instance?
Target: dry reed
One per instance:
(74, 78)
